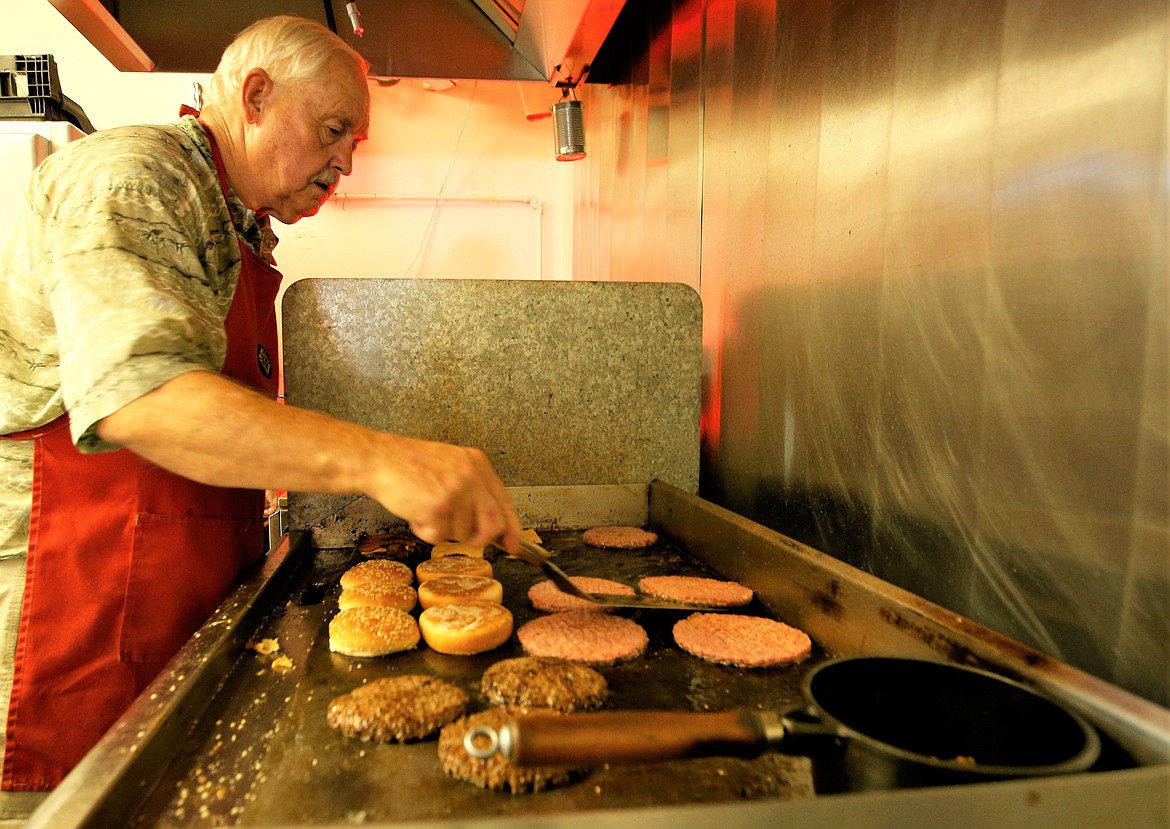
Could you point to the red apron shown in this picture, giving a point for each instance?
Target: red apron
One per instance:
(125, 562)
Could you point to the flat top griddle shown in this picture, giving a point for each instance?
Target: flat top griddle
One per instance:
(263, 753)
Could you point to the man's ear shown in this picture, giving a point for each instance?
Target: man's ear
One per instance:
(254, 94)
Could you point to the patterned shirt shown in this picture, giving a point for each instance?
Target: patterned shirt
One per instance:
(117, 276)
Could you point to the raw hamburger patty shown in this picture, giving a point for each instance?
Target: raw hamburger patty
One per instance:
(496, 772)
(619, 538)
(583, 636)
(544, 682)
(397, 708)
(697, 590)
(376, 571)
(743, 641)
(546, 596)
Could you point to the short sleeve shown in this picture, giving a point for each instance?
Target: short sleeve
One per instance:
(133, 290)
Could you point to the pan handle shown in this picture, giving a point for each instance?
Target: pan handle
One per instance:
(627, 737)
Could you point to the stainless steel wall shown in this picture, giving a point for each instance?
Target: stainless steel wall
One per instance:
(930, 238)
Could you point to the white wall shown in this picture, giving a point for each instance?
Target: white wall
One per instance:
(471, 141)
(468, 142)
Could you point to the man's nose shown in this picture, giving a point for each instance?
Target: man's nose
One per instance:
(343, 161)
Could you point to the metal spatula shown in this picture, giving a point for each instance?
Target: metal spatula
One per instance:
(537, 556)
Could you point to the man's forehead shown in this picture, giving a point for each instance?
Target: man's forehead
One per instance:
(351, 83)
(345, 96)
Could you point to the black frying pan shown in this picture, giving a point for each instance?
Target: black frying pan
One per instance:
(871, 722)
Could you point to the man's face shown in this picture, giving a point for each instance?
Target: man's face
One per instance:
(303, 142)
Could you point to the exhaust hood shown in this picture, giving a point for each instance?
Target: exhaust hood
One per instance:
(528, 40)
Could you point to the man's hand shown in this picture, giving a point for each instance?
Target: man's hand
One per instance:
(446, 493)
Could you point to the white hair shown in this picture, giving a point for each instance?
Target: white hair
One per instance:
(290, 49)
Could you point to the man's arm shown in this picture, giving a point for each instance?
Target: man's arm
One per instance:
(205, 427)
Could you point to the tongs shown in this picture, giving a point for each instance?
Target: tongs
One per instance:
(537, 556)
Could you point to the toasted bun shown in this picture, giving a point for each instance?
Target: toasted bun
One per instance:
(459, 590)
(452, 565)
(473, 627)
(398, 596)
(379, 571)
(372, 631)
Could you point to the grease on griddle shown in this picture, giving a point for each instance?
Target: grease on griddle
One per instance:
(313, 594)
(828, 601)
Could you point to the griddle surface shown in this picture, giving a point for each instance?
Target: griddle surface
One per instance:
(264, 753)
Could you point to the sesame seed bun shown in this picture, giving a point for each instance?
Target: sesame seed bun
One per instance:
(398, 596)
(379, 571)
(372, 631)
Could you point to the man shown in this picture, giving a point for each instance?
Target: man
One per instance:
(136, 390)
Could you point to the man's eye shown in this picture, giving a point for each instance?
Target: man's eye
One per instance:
(334, 132)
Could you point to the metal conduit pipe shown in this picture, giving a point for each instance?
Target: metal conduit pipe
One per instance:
(535, 203)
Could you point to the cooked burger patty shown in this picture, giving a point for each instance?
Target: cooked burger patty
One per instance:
(392, 545)
(744, 641)
(546, 596)
(583, 636)
(697, 590)
(496, 772)
(619, 538)
(544, 682)
(397, 708)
